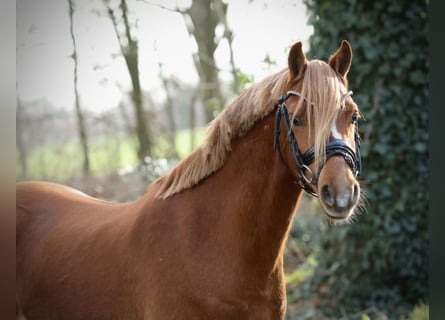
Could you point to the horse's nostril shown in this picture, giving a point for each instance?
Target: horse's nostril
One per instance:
(327, 195)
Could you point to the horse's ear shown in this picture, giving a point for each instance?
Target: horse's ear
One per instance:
(296, 60)
(341, 60)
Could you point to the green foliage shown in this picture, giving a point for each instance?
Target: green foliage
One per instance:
(420, 312)
(241, 81)
(268, 61)
(381, 259)
(61, 161)
(183, 143)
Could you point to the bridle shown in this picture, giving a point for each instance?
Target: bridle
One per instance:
(302, 161)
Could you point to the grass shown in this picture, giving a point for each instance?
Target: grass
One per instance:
(183, 141)
(420, 312)
(107, 154)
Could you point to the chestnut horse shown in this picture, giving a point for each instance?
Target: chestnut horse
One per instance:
(206, 241)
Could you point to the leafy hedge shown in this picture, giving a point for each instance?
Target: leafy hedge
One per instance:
(381, 260)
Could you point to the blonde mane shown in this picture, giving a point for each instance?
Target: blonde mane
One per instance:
(320, 87)
(323, 92)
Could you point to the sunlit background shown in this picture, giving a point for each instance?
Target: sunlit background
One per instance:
(49, 149)
(262, 29)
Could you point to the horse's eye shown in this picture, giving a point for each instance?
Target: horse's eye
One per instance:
(297, 121)
(354, 117)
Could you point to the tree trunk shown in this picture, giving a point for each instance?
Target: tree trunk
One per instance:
(79, 115)
(171, 125)
(195, 97)
(205, 20)
(221, 12)
(129, 50)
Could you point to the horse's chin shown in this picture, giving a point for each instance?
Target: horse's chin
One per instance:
(339, 217)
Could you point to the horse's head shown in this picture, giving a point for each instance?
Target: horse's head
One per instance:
(322, 130)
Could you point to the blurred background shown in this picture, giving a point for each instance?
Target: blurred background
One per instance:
(111, 94)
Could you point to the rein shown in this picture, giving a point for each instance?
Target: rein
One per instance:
(302, 161)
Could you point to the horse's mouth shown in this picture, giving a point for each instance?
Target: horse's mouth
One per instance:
(339, 215)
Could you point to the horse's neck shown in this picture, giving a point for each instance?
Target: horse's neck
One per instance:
(254, 196)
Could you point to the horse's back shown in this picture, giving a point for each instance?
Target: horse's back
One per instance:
(43, 206)
(65, 241)
(32, 195)
(36, 200)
